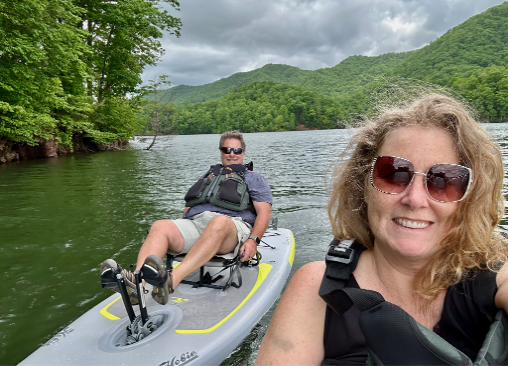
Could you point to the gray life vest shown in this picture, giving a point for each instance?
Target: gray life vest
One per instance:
(222, 186)
(393, 337)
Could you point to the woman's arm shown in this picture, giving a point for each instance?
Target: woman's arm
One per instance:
(501, 298)
(295, 334)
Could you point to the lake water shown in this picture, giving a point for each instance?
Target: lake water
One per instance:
(60, 218)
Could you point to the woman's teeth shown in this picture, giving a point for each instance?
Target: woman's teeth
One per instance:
(411, 224)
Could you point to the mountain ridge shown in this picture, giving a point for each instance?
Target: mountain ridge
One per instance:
(470, 59)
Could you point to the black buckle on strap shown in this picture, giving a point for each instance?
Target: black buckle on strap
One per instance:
(340, 252)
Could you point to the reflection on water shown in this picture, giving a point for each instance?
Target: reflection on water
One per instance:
(60, 218)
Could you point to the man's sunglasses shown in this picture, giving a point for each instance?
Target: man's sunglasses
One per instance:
(235, 150)
(444, 182)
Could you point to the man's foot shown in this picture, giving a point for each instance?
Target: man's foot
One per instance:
(109, 270)
(156, 273)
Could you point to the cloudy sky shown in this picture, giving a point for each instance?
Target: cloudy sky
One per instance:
(222, 37)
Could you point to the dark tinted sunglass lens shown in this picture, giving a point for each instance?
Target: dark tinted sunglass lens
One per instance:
(391, 174)
(227, 150)
(447, 182)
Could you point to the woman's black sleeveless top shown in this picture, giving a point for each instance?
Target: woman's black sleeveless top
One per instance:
(462, 325)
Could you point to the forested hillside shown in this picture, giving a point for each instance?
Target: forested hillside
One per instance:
(255, 107)
(344, 77)
(70, 72)
(479, 42)
(277, 73)
(471, 59)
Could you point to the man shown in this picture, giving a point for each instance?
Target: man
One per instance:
(209, 225)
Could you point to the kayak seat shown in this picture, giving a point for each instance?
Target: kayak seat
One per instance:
(232, 265)
(230, 262)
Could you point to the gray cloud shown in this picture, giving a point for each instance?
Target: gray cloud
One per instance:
(222, 37)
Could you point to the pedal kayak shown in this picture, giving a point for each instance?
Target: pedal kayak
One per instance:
(199, 326)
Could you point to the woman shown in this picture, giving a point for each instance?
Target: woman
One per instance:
(424, 237)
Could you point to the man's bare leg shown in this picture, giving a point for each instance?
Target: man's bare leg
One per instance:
(163, 235)
(218, 237)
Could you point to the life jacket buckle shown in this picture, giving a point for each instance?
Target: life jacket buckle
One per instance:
(340, 252)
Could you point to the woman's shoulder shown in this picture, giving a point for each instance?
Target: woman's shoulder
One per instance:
(312, 269)
(298, 320)
(311, 274)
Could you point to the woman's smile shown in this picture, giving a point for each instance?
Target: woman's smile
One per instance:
(412, 224)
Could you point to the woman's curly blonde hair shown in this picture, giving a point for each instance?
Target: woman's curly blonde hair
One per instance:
(472, 243)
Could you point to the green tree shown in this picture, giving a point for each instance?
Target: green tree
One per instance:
(42, 93)
(123, 36)
(71, 68)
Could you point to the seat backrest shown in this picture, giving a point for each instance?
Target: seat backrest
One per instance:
(216, 261)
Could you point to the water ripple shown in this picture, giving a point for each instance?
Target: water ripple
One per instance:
(62, 217)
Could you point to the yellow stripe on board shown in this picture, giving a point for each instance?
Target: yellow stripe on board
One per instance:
(292, 254)
(104, 311)
(264, 269)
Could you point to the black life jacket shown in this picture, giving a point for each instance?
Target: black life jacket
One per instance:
(223, 186)
(393, 337)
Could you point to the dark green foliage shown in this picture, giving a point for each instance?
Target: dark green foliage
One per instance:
(479, 42)
(158, 116)
(356, 71)
(385, 92)
(124, 38)
(259, 106)
(68, 66)
(487, 89)
(42, 92)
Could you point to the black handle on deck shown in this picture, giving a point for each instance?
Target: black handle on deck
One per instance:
(141, 297)
(125, 297)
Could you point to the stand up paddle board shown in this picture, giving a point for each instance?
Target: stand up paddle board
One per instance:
(199, 326)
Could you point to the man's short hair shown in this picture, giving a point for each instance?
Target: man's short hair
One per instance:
(232, 135)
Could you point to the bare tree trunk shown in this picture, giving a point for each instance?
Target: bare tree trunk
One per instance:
(101, 88)
(157, 122)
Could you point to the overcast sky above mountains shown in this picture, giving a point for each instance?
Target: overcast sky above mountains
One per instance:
(222, 37)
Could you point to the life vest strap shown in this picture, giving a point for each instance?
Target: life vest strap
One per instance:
(393, 337)
(341, 260)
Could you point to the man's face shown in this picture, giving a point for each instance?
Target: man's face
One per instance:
(231, 158)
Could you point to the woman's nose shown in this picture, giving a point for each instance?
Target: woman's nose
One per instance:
(416, 194)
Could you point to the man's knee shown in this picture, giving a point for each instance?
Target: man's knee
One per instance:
(167, 231)
(164, 227)
(220, 222)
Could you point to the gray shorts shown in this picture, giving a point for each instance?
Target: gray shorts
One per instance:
(191, 229)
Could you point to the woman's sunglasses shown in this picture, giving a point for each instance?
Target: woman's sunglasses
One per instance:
(444, 182)
(235, 150)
